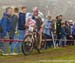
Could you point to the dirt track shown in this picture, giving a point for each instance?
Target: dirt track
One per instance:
(34, 58)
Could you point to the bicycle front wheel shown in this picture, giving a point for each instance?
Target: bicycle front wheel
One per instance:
(27, 45)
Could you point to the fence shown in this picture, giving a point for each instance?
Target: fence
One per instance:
(41, 40)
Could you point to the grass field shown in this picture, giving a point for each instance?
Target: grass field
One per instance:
(66, 54)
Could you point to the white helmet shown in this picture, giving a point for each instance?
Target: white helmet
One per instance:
(35, 9)
(29, 15)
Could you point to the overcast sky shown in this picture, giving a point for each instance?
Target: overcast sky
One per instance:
(56, 7)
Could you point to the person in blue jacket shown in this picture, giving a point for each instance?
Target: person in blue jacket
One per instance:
(7, 27)
(62, 42)
(47, 31)
(73, 31)
(1, 30)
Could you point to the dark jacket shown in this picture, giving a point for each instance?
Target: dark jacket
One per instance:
(21, 22)
(68, 29)
(63, 32)
(58, 27)
(14, 27)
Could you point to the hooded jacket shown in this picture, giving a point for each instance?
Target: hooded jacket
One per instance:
(7, 23)
(22, 20)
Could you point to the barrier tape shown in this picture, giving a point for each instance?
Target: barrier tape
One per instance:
(56, 39)
(11, 40)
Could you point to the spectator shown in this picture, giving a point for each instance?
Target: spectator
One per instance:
(63, 35)
(69, 36)
(58, 28)
(47, 31)
(7, 27)
(14, 30)
(1, 43)
(21, 27)
(73, 31)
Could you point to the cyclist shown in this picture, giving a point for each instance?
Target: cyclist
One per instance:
(30, 24)
(39, 18)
